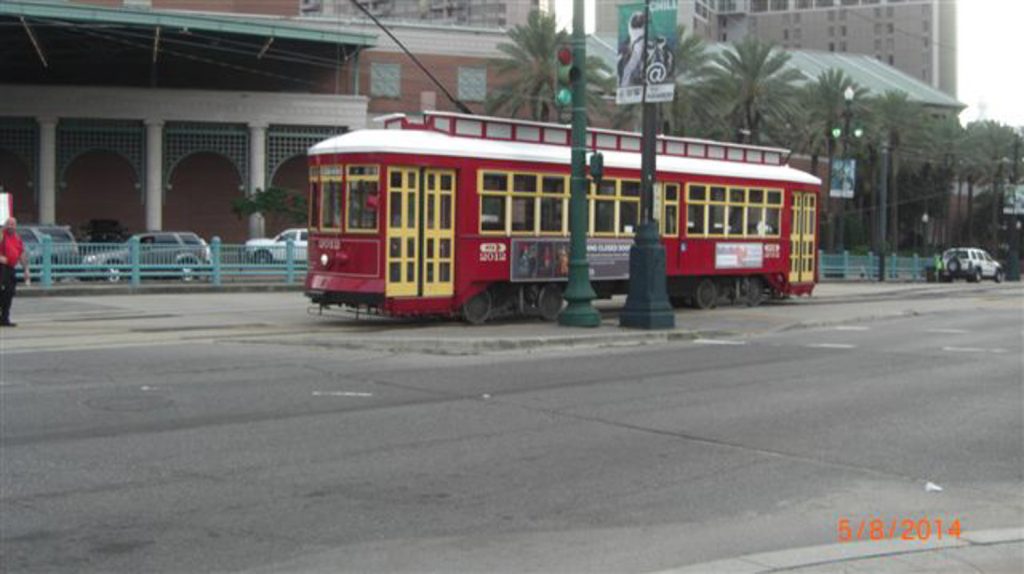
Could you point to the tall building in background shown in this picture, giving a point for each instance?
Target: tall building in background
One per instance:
(483, 13)
(918, 37)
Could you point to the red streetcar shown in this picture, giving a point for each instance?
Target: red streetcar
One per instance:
(455, 215)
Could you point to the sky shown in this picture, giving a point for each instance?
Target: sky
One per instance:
(990, 79)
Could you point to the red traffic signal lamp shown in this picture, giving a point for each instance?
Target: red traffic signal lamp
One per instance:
(568, 74)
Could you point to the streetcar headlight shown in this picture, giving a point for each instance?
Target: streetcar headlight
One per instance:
(324, 259)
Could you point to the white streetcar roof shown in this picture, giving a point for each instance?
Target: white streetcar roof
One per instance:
(423, 142)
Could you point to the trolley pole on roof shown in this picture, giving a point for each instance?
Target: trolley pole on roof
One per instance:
(647, 305)
(579, 312)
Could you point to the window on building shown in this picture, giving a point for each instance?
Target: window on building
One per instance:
(926, 26)
(850, 2)
(780, 5)
(878, 27)
(785, 34)
(824, 3)
(385, 80)
(831, 15)
(759, 5)
(803, 4)
(892, 60)
(831, 31)
(831, 46)
(363, 197)
(842, 30)
(472, 84)
(890, 28)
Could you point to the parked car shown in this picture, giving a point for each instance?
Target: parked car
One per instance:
(177, 254)
(63, 251)
(970, 263)
(276, 250)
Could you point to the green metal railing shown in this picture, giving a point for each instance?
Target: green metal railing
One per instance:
(133, 263)
(897, 268)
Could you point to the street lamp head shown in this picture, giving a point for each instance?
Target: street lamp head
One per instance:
(924, 218)
(848, 94)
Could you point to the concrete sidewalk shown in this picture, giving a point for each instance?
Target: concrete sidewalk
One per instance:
(988, 552)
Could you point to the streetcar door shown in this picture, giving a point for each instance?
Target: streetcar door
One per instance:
(402, 233)
(438, 232)
(801, 252)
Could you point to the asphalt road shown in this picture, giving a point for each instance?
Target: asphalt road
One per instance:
(174, 436)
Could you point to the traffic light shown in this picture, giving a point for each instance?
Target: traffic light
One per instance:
(568, 73)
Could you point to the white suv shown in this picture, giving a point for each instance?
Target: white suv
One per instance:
(275, 250)
(970, 263)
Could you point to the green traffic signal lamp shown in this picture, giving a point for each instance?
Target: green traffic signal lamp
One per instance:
(568, 74)
(858, 132)
(836, 132)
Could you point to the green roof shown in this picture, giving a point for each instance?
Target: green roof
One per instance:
(227, 24)
(867, 72)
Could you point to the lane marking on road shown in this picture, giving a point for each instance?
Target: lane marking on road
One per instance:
(964, 350)
(340, 394)
(832, 346)
(948, 331)
(851, 328)
(718, 342)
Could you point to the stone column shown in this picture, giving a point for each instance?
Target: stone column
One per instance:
(257, 172)
(47, 170)
(154, 196)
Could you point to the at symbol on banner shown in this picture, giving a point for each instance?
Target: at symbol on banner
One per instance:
(656, 73)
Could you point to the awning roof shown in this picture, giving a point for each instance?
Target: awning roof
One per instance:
(240, 24)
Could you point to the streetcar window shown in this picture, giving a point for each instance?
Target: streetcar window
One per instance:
(670, 210)
(492, 213)
(755, 221)
(717, 219)
(772, 222)
(396, 206)
(698, 193)
(331, 205)
(717, 194)
(607, 187)
(363, 198)
(551, 214)
(735, 220)
(629, 216)
(757, 196)
(314, 204)
(736, 195)
(523, 213)
(495, 182)
(604, 217)
(524, 183)
(631, 188)
(695, 219)
(553, 185)
(774, 197)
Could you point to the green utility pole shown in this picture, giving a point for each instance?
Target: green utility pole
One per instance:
(1013, 269)
(647, 305)
(579, 312)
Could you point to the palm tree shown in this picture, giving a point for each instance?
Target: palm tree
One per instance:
(994, 144)
(529, 71)
(754, 86)
(900, 121)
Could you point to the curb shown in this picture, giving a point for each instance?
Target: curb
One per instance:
(476, 346)
(765, 562)
(100, 291)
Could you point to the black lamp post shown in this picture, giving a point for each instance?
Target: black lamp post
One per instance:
(848, 96)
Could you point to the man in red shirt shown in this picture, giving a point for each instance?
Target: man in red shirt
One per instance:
(12, 252)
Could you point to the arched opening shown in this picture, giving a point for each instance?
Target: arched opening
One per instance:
(203, 185)
(292, 175)
(15, 180)
(100, 185)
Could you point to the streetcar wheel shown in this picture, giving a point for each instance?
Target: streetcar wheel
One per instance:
(549, 302)
(477, 310)
(755, 291)
(706, 296)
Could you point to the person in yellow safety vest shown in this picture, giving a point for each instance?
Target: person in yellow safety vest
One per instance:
(938, 263)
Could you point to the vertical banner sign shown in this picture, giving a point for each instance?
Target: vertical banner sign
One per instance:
(1014, 204)
(661, 48)
(844, 177)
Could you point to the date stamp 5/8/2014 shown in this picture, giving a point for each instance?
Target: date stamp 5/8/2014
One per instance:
(921, 529)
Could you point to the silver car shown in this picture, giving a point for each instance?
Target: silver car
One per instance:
(165, 254)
